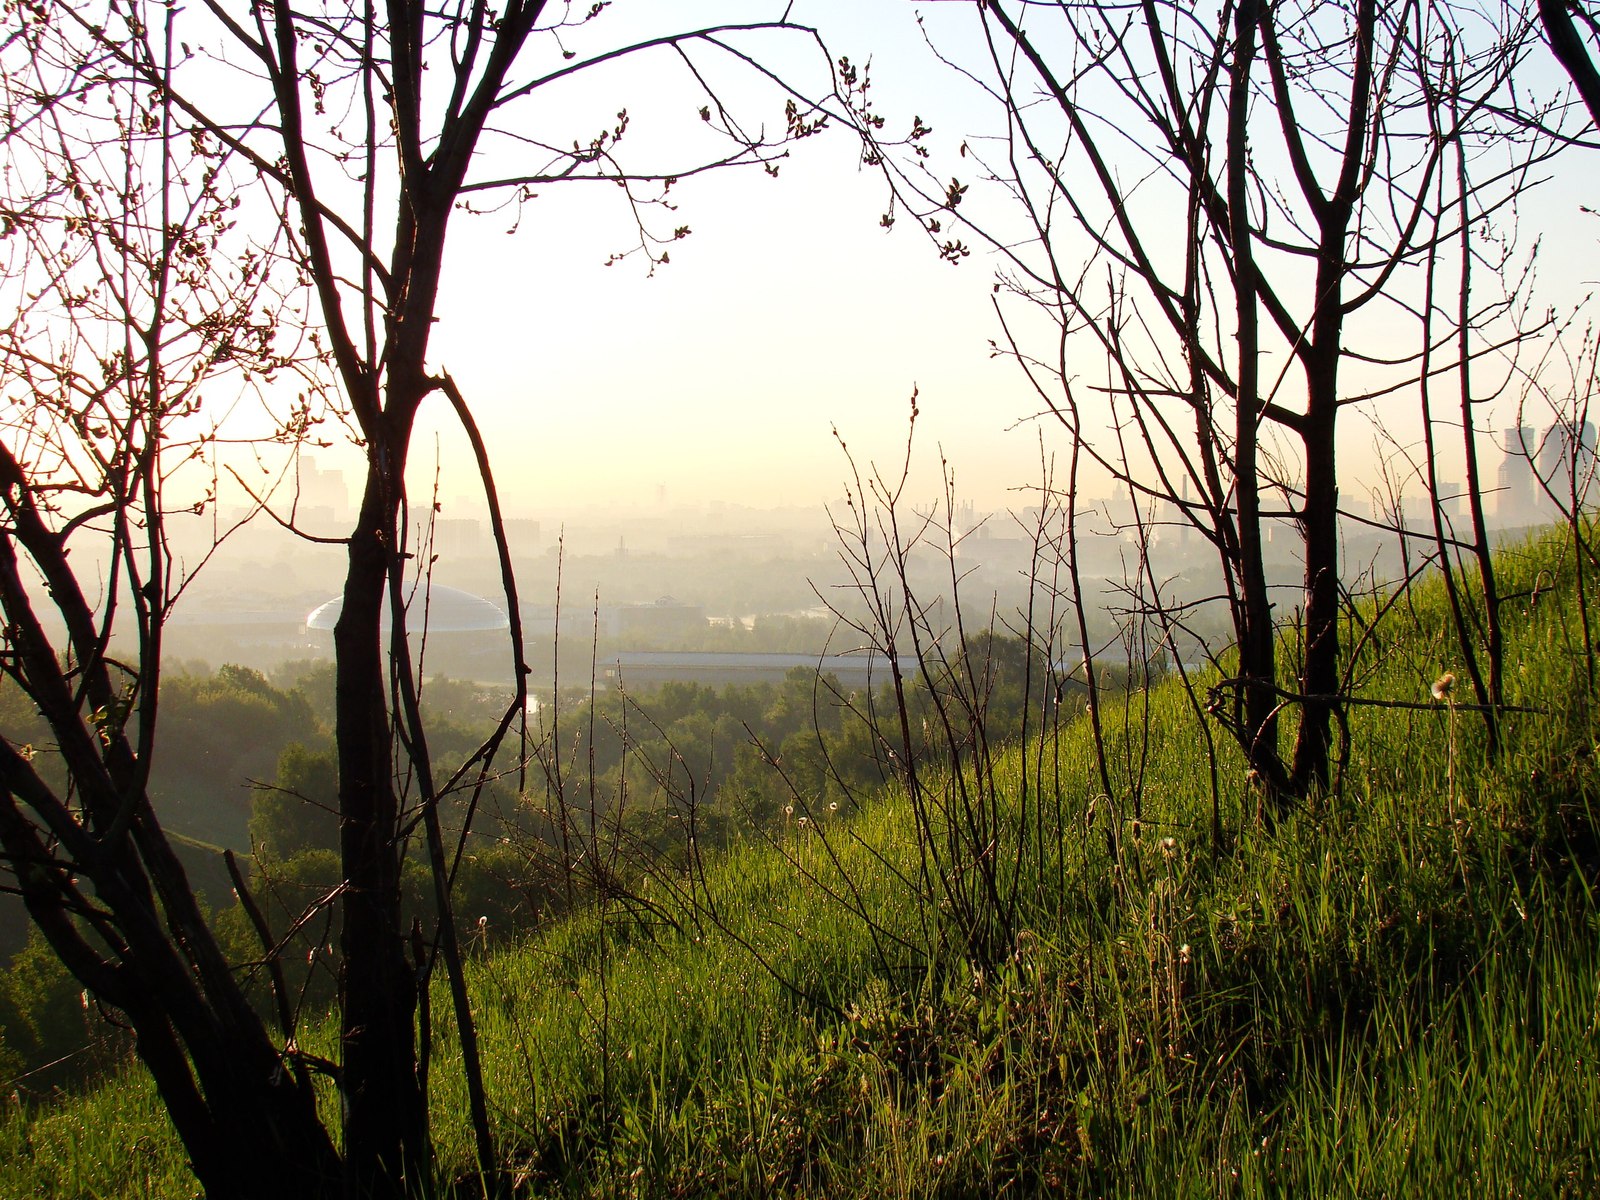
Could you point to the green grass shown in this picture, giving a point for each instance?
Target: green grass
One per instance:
(1396, 993)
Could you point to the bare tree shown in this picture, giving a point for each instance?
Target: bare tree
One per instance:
(1222, 213)
(1558, 393)
(130, 296)
(1570, 27)
(366, 130)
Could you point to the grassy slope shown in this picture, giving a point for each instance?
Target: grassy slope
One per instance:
(1394, 995)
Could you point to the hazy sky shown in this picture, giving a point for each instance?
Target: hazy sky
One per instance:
(787, 312)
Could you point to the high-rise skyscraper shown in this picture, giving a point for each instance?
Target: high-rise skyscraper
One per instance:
(1517, 501)
(1567, 461)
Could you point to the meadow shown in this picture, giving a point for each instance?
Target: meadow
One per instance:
(1395, 991)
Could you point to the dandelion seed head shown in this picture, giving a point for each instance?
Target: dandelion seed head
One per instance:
(1443, 686)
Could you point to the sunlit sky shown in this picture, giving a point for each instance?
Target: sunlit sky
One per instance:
(787, 313)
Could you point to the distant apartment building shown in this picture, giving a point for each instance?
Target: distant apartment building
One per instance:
(458, 537)
(522, 536)
(1517, 500)
(1174, 522)
(1559, 464)
(1417, 507)
(316, 488)
(1567, 461)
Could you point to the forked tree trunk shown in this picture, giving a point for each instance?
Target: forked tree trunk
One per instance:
(1320, 354)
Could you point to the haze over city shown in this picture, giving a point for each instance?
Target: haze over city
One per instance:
(621, 402)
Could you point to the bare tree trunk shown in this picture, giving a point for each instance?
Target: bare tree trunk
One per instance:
(385, 1132)
(1320, 682)
(1253, 624)
(1570, 50)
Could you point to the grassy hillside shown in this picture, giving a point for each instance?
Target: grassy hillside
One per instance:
(1394, 993)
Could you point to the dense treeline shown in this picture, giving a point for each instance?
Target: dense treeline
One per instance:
(745, 756)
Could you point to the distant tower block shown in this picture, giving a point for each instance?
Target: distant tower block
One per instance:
(316, 488)
(1452, 500)
(522, 535)
(1567, 461)
(457, 537)
(661, 495)
(1518, 500)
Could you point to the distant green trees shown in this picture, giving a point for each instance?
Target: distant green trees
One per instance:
(49, 1033)
(248, 757)
(739, 759)
(735, 755)
(300, 810)
(221, 732)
